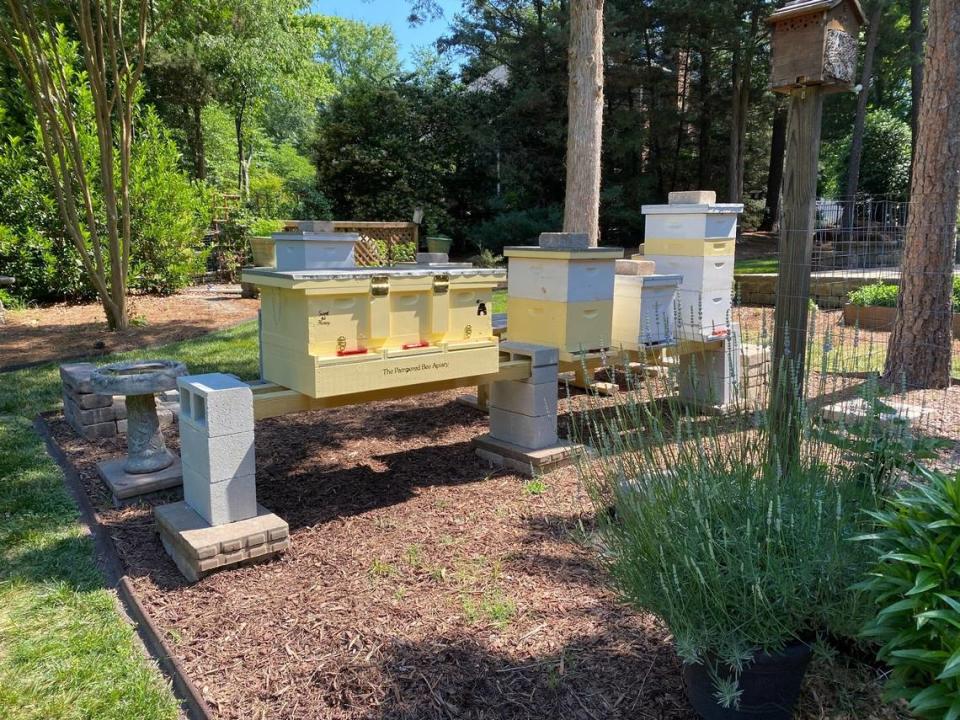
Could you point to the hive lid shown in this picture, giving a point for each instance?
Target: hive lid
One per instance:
(711, 209)
(325, 237)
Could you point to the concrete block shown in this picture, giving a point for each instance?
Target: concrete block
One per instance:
(220, 503)
(692, 197)
(216, 404)
(539, 355)
(525, 398)
(124, 485)
(96, 432)
(117, 410)
(523, 430)
(429, 258)
(87, 401)
(198, 548)
(856, 411)
(219, 458)
(77, 376)
(635, 267)
(564, 241)
(524, 460)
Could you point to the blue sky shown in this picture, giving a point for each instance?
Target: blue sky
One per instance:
(393, 13)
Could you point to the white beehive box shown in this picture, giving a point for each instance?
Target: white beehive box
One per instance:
(573, 280)
(644, 311)
(705, 274)
(314, 250)
(692, 222)
(703, 316)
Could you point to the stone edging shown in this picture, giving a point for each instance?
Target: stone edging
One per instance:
(191, 701)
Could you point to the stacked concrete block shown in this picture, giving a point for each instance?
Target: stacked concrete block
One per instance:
(94, 416)
(560, 294)
(524, 412)
(694, 237)
(217, 447)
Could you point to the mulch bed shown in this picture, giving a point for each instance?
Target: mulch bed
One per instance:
(419, 584)
(67, 330)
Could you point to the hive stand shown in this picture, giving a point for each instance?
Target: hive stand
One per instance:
(219, 522)
(523, 416)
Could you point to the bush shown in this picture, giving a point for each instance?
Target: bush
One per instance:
(885, 165)
(916, 588)
(265, 227)
(879, 294)
(170, 214)
(516, 227)
(269, 196)
(701, 525)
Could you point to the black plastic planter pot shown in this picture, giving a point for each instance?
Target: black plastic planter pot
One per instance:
(770, 687)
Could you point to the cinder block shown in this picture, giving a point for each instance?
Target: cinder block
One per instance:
(220, 503)
(635, 267)
(429, 258)
(77, 376)
(564, 241)
(217, 458)
(692, 197)
(539, 355)
(217, 404)
(525, 398)
(523, 430)
(87, 401)
(116, 410)
(96, 432)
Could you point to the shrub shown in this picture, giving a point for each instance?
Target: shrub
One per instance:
(881, 294)
(916, 588)
(701, 525)
(515, 227)
(878, 294)
(170, 214)
(265, 227)
(269, 196)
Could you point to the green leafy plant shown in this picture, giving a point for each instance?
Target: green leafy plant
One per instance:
(878, 294)
(486, 259)
(265, 227)
(700, 524)
(916, 588)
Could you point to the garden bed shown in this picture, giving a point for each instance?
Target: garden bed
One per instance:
(69, 330)
(873, 317)
(419, 584)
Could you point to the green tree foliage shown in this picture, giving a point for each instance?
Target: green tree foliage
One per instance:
(885, 168)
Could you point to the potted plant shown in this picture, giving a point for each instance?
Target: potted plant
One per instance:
(874, 306)
(261, 241)
(745, 561)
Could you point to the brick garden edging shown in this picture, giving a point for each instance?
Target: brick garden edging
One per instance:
(191, 700)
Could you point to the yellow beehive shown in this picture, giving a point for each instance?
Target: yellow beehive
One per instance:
(561, 297)
(337, 332)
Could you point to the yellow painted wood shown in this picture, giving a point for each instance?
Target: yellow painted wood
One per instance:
(570, 327)
(272, 399)
(689, 248)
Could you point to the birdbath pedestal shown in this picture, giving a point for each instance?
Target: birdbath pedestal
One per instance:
(149, 466)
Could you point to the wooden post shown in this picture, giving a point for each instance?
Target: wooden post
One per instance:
(793, 281)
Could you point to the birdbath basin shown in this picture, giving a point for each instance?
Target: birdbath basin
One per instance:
(139, 381)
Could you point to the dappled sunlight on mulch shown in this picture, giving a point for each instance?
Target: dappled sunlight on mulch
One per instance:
(419, 584)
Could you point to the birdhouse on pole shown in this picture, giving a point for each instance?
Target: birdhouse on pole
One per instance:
(815, 43)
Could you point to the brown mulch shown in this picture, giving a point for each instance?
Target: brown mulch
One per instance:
(419, 584)
(63, 331)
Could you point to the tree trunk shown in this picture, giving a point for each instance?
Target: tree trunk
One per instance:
(860, 119)
(705, 120)
(740, 99)
(581, 208)
(199, 150)
(919, 352)
(916, 67)
(778, 145)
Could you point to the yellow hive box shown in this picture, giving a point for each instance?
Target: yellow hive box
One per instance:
(342, 331)
(688, 248)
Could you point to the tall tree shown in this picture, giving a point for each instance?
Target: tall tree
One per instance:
(743, 55)
(778, 147)
(112, 46)
(860, 119)
(581, 206)
(919, 351)
(916, 64)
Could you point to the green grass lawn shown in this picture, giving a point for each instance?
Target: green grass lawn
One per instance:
(499, 301)
(65, 652)
(756, 265)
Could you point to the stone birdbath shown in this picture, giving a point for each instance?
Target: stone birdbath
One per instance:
(149, 465)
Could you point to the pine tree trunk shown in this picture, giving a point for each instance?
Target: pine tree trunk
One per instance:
(916, 66)
(778, 146)
(919, 352)
(852, 186)
(581, 208)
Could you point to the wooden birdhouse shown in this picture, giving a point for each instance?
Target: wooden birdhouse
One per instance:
(815, 43)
